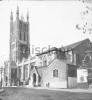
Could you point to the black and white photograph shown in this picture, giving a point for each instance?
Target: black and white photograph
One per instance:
(46, 50)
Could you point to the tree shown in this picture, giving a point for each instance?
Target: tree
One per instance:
(86, 17)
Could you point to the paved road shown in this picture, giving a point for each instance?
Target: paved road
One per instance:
(18, 93)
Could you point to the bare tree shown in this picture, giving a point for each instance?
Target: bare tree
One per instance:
(86, 17)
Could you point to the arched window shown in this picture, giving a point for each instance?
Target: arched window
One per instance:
(87, 59)
(24, 36)
(20, 35)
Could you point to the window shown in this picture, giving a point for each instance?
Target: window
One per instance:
(24, 36)
(55, 73)
(87, 59)
(20, 35)
(25, 72)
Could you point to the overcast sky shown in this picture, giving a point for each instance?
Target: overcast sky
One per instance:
(51, 23)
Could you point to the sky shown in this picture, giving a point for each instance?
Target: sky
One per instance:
(52, 23)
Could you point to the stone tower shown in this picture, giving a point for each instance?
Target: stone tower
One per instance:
(19, 38)
(19, 43)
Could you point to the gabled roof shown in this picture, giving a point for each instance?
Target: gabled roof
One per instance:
(36, 69)
(74, 45)
(40, 68)
(65, 48)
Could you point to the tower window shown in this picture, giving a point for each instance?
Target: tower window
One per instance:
(20, 35)
(24, 36)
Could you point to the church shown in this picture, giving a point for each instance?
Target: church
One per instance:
(19, 45)
(55, 68)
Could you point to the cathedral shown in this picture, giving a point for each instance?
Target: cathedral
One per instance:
(19, 43)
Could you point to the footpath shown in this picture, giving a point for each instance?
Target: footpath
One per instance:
(66, 90)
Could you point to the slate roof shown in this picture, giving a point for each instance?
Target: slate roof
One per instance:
(65, 48)
(74, 45)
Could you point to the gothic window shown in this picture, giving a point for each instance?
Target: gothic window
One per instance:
(20, 72)
(26, 71)
(24, 36)
(87, 59)
(55, 73)
(20, 35)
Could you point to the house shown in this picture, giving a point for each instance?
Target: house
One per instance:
(57, 67)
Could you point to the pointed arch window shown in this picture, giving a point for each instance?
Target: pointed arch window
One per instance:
(20, 36)
(24, 36)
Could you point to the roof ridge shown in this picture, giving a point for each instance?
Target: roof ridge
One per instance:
(73, 45)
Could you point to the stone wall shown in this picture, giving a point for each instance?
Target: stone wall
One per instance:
(56, 82)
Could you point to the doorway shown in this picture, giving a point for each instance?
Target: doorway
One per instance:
(34, 79)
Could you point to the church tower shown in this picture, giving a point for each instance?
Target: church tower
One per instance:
(19, 42)
(19, 38)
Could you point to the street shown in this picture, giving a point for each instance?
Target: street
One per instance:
(19, 93)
